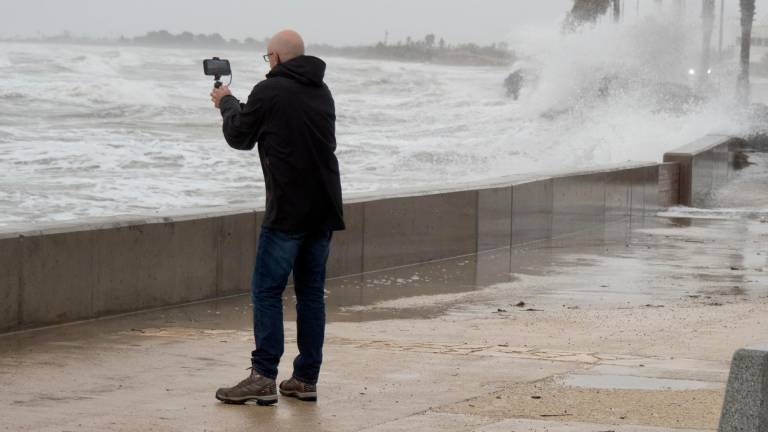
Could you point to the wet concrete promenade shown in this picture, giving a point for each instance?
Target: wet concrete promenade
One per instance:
(623, 329)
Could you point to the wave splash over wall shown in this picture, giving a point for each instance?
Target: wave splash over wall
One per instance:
(627, 91)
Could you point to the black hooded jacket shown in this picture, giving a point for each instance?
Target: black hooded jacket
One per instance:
(291, 115)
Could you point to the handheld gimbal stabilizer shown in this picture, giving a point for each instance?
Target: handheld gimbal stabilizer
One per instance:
(217, 68)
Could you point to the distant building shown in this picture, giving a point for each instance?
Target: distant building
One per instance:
(759, 50)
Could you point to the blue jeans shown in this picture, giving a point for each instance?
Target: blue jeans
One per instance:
(278, 254)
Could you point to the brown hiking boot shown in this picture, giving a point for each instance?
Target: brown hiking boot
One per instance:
(299, 390)
(254, 388)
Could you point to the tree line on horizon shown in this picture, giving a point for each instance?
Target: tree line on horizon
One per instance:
(430, 48)
(411, 49)
(186, 38)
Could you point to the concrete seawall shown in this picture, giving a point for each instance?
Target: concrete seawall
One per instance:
(705, 165)
(73, 271)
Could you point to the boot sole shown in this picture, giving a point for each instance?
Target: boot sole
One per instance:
(261, 400)
(306, 397)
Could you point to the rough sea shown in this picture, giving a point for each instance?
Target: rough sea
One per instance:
(111, 130)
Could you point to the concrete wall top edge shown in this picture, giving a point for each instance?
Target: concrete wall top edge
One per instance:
(499, 182)
(7, 235)
(122, 221)
(706, 143)
(112, 222)
(602, 169)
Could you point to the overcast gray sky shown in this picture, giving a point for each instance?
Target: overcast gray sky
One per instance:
(331, 21)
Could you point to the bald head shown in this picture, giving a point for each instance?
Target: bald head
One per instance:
(286, 45)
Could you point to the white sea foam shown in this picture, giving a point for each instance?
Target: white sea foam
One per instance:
(92, 131)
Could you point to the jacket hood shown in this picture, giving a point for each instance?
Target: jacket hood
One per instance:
(307, 70)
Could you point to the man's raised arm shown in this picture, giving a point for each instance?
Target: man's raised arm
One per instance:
(241, 121)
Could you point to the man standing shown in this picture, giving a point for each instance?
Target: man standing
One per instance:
(291, 115)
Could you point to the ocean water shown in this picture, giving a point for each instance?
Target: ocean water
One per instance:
(110, 130)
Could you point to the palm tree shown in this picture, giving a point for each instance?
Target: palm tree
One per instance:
(708, 18)
(747, 16)
(588, 11)
(720, 36)
(679, 9)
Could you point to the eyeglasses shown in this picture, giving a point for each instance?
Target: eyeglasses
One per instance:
(266, 56)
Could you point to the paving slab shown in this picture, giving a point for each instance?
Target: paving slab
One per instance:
(551, 426)
(431, 421)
